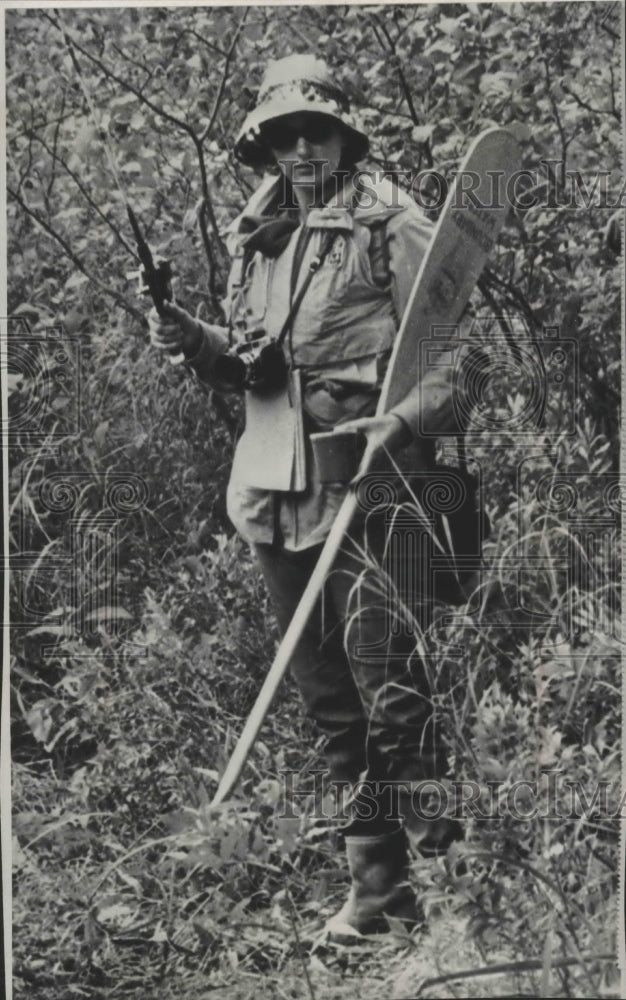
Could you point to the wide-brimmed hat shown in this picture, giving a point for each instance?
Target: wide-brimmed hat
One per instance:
(294, 84)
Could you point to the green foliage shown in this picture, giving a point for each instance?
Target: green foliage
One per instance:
(127, 883)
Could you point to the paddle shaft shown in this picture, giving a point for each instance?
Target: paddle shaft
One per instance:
(286, 649)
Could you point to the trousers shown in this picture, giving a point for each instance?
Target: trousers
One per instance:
(358, 670)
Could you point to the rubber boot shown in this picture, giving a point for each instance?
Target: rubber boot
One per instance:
(379, 868)
(431, 839)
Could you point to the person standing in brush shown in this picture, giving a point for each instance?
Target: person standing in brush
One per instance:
(323, 265)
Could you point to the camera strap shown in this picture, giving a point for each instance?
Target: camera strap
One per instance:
(314, 267)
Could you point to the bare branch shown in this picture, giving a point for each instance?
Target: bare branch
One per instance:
(208, 213)
(376, 23)
(110, 75)
(43, 124)
(587, 107)
(173, 120)
(210, 45)
(55, 143)
(73, 257)
(135, 62)
(85, 193)
(409, 24)
(222, 83)
(565, 142)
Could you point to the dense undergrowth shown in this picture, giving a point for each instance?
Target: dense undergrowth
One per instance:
(141, 629)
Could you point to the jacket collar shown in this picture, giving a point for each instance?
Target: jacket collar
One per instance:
(268, 228)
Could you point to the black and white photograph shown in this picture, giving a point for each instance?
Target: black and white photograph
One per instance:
(311, 366)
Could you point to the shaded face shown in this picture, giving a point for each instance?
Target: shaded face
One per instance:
(306, 146)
